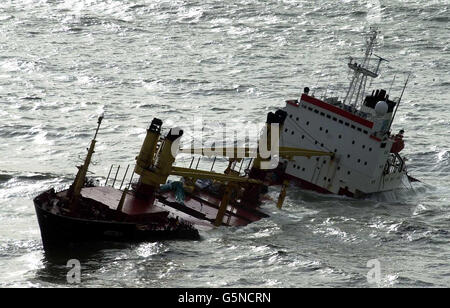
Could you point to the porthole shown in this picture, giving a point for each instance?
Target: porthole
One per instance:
(353, 126)
(347, 124)
(359, 160)
(340, 136)
(303, 136)
(320, 128)
(297, 118)
(370, 149)
(321, 145)
(322, 114)
(290, 116)
(285, 130)
(341, 122)
(359, 129)
(338, 168)
(328, 116)
(348, 155)
(326, 131)
(348, 172)
(353, 142)
(334, 119)
(292, 132)
(303, 169)
(307, 123)
(365, 163)
(363, 146)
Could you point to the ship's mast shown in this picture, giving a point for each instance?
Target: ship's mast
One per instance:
(361, 72)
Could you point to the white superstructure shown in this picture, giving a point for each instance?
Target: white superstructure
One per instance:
(356, 129)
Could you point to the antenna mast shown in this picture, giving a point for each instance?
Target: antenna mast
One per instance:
(361, 72)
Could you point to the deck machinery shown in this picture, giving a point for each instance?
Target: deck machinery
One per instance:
(156, 207)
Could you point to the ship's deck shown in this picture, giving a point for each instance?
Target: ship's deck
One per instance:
(199, 208)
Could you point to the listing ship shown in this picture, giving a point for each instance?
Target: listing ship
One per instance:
(331, 146)
(357, 129)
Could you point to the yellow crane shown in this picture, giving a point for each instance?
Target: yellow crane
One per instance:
(155, 163)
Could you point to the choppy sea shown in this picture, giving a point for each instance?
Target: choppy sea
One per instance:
(62, 62)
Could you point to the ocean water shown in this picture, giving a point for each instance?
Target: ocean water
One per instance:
(62, 62)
